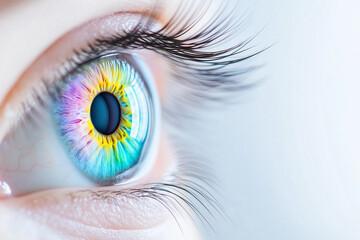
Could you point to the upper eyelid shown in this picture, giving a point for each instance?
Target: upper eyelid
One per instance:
(169, 44)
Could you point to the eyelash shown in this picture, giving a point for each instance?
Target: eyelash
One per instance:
(206, 74)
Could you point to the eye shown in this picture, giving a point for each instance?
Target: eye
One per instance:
(100, 130)
(98, 123)
(105, 117)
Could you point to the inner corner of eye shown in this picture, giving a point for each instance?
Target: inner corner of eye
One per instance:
(107, 117)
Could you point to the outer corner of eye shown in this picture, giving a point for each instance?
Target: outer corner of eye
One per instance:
(101, 129)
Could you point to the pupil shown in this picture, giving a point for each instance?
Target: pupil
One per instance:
(105, 113)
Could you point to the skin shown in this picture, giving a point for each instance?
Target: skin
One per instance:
(51, 35)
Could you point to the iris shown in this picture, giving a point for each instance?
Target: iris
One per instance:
(104, 114)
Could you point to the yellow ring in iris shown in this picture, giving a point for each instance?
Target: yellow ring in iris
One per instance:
(116, 88)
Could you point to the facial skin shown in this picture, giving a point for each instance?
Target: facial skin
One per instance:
(55, 29)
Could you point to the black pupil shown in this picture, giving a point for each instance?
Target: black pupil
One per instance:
(105, 113)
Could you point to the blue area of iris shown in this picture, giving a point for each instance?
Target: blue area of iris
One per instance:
(105, 113)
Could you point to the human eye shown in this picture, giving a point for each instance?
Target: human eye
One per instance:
(96, 133)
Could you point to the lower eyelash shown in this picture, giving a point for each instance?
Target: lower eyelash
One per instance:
(185, 190)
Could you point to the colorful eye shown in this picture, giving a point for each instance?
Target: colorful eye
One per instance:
(105, 116)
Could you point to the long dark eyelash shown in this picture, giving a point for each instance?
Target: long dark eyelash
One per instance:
(195, 52)
(200, 67)
(204, 72)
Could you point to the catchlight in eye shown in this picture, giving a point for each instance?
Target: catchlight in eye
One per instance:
(105, 116)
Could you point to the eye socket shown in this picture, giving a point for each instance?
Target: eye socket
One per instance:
(104, 113)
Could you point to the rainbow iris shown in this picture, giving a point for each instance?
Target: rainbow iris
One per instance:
(104, 156)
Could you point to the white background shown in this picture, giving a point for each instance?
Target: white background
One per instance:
(289, 152)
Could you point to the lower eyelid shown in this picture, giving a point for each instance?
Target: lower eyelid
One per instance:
(85, 215)
(120, 212)
(34, 228)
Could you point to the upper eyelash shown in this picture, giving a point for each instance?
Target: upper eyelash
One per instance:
(194, 49)
(209, 74)
(195, 54)
(201, 67)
